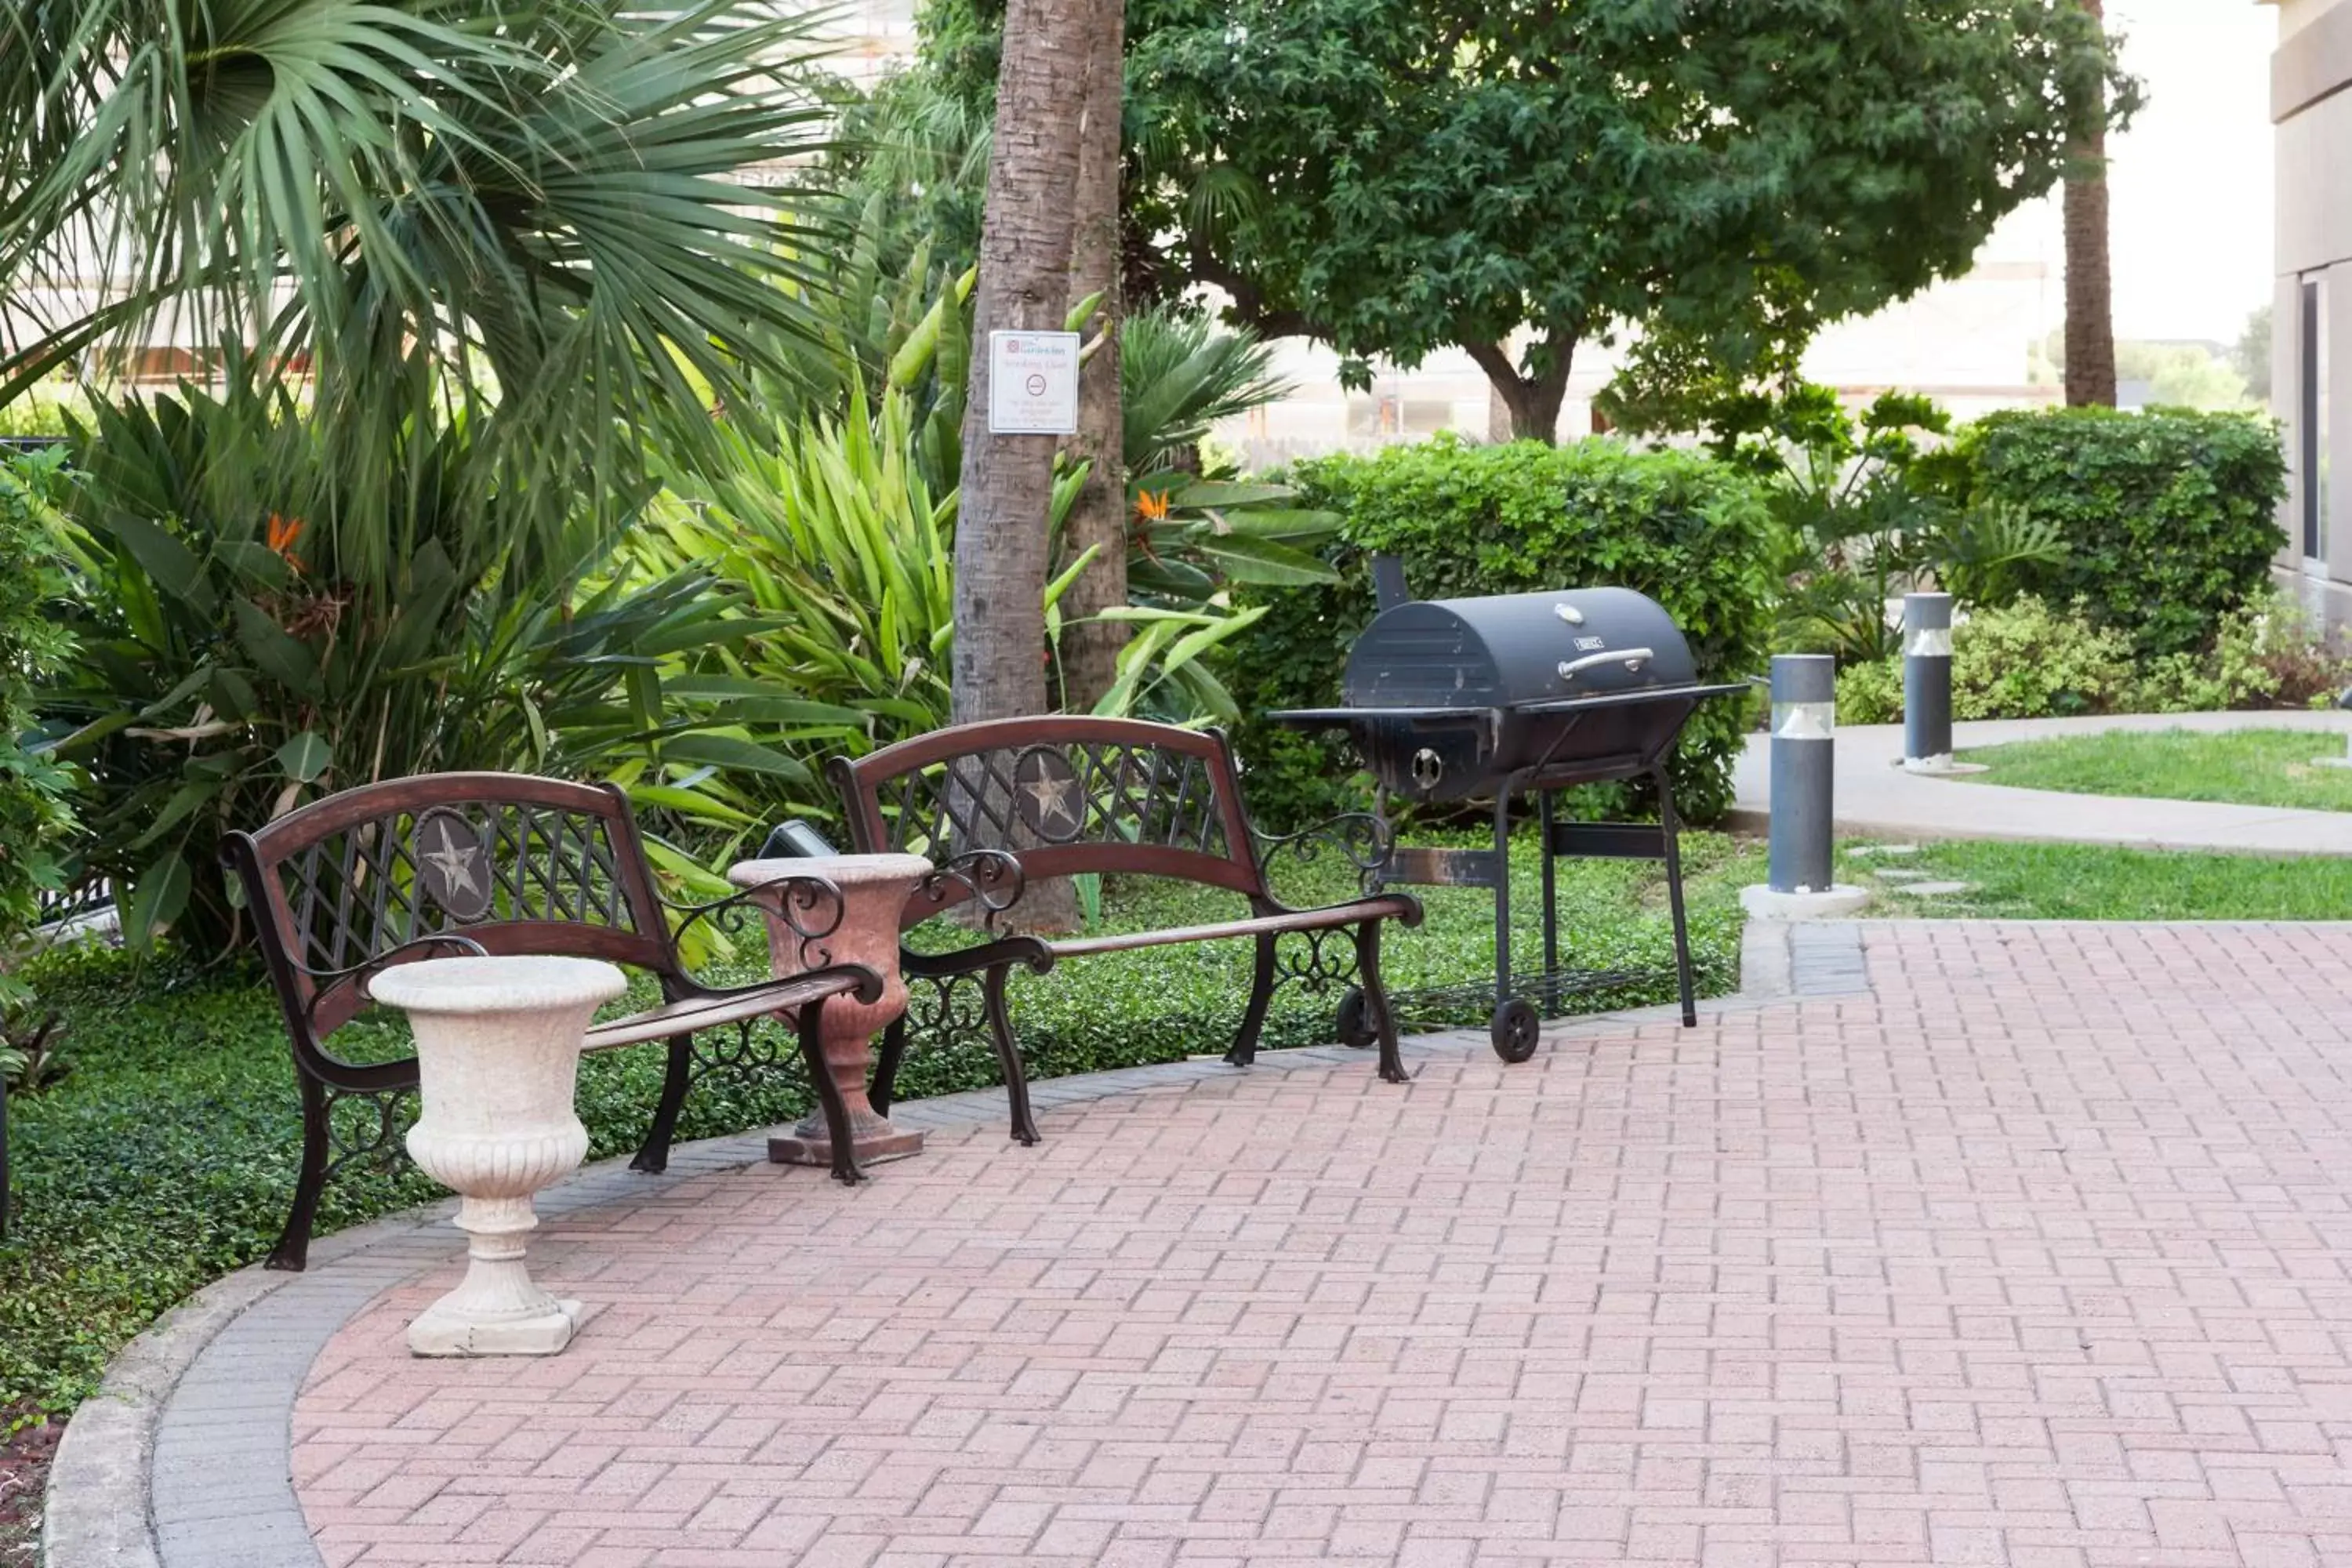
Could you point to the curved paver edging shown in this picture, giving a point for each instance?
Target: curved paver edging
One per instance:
(182, 1457)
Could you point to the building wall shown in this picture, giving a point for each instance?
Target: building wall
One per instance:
(2311, 361)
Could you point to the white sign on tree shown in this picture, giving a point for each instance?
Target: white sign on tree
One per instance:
(1032, 383)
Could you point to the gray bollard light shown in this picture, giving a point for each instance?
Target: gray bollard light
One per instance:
(1927, 682)
(1804, 747)
(1798, 877)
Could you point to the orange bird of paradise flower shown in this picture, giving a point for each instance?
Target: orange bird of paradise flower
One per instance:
(283, 532)
(1151, 507)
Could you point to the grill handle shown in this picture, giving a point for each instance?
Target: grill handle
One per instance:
(1633, 658)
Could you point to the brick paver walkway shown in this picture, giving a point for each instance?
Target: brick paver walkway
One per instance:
(2034, 1256)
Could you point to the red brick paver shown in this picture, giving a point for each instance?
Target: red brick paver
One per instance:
(2036, 1257)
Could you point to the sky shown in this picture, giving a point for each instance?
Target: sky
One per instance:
(2191, 184)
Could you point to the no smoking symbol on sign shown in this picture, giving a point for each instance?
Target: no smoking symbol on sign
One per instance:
(1036, 387)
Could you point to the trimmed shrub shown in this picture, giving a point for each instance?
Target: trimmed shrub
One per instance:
(34, 812)
(2169, 515)
(1692, 532)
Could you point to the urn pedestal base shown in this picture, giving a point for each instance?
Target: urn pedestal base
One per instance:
(439, 1332)
(871, 1138)
(874, 889)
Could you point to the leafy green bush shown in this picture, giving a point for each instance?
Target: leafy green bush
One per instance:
(2028, 661)
(241, 654)
(1689, 531)
(2025, 661)
(2169, 516)
(34, 813)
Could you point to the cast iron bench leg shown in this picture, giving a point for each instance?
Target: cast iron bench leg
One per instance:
(1008, 1054)
(1368, 975)
(838, 1131)
(653, 1155)
(292, 1253)
(1244, 1046)
(885, 1087)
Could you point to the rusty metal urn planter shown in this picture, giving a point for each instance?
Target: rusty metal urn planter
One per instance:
(874, 889)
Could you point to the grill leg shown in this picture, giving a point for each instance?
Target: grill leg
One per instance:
(1503, 896)
(1243, 1050)
(652, 1155)
(1673, 834)
(292, 1253)
(1008, 1054)
(1376, 997)
(1551, 907)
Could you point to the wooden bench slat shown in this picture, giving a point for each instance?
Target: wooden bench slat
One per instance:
(1386, 907)
(697, 1012)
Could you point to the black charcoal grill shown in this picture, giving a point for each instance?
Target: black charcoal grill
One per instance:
(1490, 699)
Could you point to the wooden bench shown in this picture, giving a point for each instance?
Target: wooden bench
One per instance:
(447, 864)
(1006, 803)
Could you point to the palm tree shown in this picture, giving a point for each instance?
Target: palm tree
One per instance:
(2090, 280)
(545, 218)
(1025, 284)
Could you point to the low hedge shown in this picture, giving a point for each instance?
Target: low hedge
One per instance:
(1691, 532)
(2170, 516)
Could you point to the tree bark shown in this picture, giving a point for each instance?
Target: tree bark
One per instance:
(1089, 647)
(1000, 548)
(1533, 401)
(2090, 282)
(1024, 264)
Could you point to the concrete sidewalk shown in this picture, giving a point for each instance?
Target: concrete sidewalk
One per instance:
(1875, 796)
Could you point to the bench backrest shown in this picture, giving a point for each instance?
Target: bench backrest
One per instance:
(440, 865)
(1065, 795)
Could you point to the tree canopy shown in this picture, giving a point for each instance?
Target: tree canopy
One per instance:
(1519, 177)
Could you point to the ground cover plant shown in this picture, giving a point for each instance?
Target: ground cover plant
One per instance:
(2249, 767)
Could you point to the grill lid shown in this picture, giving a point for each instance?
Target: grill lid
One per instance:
(1516, 649)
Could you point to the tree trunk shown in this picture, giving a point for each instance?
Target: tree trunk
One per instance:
(2090, 284)
(1000, 546)
(1090, 648)
(1533, 402)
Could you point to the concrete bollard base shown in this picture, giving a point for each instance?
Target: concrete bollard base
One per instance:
(1763, 902)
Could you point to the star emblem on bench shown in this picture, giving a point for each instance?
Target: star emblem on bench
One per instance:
(1047, 796)
(449, 865)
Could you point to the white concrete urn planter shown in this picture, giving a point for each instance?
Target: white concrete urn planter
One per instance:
(497, 1058)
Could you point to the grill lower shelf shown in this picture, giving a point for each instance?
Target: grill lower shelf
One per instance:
(1467, 1003)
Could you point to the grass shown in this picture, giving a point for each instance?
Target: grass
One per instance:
(2080, 882)
(2246, 767)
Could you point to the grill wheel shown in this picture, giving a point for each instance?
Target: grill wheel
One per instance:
(1355, 1020)
(1514, 1028)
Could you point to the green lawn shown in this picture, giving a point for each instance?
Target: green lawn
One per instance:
(2249, 767)
(2079, 882)
(164, 1159)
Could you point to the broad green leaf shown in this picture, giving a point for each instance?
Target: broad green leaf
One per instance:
(305, 757)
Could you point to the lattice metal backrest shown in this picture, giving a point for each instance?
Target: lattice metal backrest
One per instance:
(434, 866)
(1065, 796)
